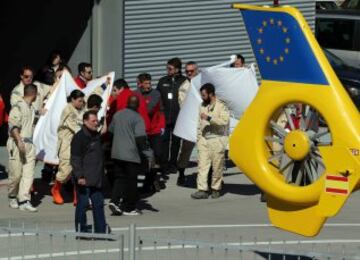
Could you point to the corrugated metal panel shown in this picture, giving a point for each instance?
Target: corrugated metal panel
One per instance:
(207, 32)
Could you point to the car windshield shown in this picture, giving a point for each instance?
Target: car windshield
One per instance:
(334, 60)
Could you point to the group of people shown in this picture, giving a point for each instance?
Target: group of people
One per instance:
(139, 126)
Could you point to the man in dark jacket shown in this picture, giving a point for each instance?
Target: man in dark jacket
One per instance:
(129, 150)
(168, 87)
(87, 161)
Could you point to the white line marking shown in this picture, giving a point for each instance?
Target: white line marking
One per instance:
(151, 248)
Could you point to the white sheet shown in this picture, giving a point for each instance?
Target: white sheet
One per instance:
(45, 133)
(237, 87)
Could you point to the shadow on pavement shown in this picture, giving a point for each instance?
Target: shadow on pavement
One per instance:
(273, 256)
(241, 189)
(145, 205)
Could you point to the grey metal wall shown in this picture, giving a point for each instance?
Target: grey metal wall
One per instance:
(102, 42)
(207, 32)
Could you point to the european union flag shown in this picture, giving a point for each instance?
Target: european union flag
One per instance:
(281, 49)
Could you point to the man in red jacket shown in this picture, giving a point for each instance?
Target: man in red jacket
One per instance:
(121, 102)
(3, 122)
(3, 114)
(153, 102)
(85, 74)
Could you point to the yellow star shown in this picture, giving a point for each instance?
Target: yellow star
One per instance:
(285, 29)
(271, 21)
(279, 23)
(264, 23)
(262, 51)
(286, 50)
(287, 40)
(281, 58)
(259, 41)
(268, 59)
(260, 30)
(275, 61)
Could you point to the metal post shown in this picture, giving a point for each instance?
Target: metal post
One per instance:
(132, 242)
(121, 246)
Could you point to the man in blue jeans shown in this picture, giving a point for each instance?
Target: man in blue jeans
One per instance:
(87, 160)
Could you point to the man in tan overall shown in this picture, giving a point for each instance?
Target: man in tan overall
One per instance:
(70, 124)
(43, 90)
(21, 150)
(212, 139)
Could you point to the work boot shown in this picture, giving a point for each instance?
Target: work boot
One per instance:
(215, 194)
(200, 195)
(56, 193)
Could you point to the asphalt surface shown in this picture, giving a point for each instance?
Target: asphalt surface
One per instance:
(171, 216)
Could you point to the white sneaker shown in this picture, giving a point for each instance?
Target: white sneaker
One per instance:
(135, 212)
(13, 203)
(27, 207)
(115, 209)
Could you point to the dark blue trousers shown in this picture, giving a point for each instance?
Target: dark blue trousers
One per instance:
(97, 201)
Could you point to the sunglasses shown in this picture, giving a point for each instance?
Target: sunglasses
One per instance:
(28, 76)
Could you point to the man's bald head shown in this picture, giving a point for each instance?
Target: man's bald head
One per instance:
(133, 103)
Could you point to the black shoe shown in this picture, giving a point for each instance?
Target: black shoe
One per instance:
(181, 181)
(172, 169)
(157, 186)
(147, 189)
(164, 176)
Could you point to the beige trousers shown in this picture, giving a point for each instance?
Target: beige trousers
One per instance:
(21, 171)
(211, 153)
(65, 169)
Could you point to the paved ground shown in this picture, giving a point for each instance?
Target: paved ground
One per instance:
(235, 218)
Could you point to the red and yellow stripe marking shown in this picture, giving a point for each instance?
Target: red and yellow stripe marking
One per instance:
(337, 185)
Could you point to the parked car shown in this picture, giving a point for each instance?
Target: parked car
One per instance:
(349, 76)
(339, 32)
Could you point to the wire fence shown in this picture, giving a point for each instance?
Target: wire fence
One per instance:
(132, 243)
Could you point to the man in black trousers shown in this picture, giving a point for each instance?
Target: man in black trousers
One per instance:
(87, 161)
(168, 86)
(129, 150)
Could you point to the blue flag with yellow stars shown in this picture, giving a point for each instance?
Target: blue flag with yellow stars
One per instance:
(281, 49)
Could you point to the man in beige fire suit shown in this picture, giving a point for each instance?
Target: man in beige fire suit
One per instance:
(21, 150)
(26, 77)
(212, 139)
(70, 124)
